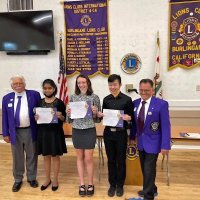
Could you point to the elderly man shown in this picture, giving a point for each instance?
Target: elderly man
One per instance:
(19, 129)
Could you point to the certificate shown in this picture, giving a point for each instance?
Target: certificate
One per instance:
(113, 118)
(81, 109)
(46, 115)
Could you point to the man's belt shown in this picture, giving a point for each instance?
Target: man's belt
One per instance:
(23, 127)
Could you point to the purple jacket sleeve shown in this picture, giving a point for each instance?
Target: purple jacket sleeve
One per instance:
(5, 128)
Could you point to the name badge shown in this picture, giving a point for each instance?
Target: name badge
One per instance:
(10, 105)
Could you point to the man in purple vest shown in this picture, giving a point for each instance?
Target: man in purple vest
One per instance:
(19, 129)
(153, 134)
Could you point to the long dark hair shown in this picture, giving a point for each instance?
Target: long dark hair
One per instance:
(52, 84)
(89, 84)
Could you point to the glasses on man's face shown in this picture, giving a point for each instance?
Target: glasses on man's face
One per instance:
(15, 84)
(144, 91)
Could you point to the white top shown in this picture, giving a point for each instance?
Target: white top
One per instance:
(24, 113)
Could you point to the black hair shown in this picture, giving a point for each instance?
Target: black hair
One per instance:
(147, 80)
(52, 84)
(114, 77)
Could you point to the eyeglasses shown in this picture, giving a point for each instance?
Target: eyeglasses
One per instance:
(15, 84)
(144, 91)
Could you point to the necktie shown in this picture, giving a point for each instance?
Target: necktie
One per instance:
(17, 121)
(140, 119)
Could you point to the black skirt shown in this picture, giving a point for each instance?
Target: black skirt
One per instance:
(51, 140)
(84, 138)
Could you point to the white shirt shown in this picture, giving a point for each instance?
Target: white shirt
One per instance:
(146, 107)
(24, 112)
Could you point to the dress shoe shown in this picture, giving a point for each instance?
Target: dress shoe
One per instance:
(33, 183)
(54, 188)
(44, 187)
(82, 190)
(141, 193)
(120, 191)
(90, 190)
(16, 186)
(111, 191)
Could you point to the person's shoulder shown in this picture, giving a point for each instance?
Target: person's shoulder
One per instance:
(73, 97)
(125, 96)
(137, 100)
(95, 95)
(161, 101)
(60, 101)
(7, 96)
(107, 97)
(32, 92)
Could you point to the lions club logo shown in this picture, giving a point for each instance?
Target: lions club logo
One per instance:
(86, 20)
(190, 28)
(132, 152)
(131, 63)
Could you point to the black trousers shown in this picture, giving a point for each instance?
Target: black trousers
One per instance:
(115, 145)
(148, 164)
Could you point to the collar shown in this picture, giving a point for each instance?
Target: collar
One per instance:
(148, 100)
(118, 96)
(20, 94)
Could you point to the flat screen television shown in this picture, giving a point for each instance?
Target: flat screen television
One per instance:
(27, 32)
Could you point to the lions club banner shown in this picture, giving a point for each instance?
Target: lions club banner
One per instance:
(184, 30)
(87, 42)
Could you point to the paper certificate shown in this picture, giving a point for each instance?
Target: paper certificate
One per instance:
(113, 118)
(81, 109)
(190, 135)
(46, 115)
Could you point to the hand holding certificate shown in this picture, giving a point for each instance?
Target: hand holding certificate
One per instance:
(81, 109)
(113, 118)
(46, 115)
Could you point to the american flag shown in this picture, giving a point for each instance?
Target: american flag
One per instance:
(62, 78)
(157, 78)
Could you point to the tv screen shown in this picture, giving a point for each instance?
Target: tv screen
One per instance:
(26, 31)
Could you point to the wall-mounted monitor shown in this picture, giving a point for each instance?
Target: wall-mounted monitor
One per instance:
(27, 32)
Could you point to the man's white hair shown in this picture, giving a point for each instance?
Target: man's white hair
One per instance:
(17, 76)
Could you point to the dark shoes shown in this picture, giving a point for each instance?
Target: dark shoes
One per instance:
(54, 188)
(33, 183)
(120, 191)
(141, 193)
(111, 191)
(16, 186)
(82, 190)
(44, 187)
(90, 190)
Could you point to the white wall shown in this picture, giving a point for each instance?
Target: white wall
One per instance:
(133, 28)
